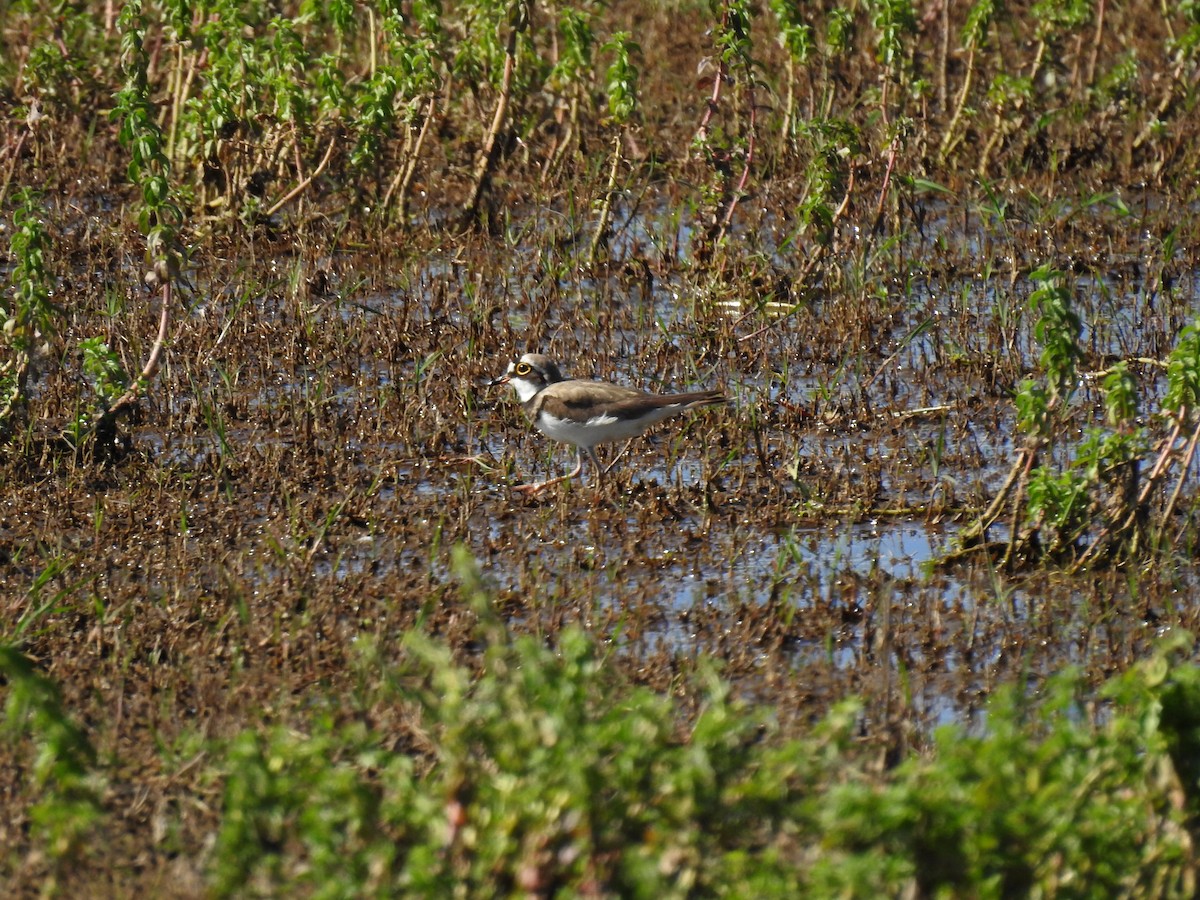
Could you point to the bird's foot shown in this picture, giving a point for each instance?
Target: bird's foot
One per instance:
(534, 490)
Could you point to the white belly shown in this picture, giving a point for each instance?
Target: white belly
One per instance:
(600, 429)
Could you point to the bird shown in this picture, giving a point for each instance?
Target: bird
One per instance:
(587, 413)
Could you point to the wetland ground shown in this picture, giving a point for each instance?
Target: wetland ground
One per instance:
(842, 237)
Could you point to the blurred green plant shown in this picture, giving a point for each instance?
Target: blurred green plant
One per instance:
(1057, 329)
(103, 371)
(1007, 95)
(540, 770)
(895, 23)
(29, 316)
(66, 779)
(1186, 44)
(1088, 492)
(1040, 803)
(254, 95)
(547, 774)
(1055, 20)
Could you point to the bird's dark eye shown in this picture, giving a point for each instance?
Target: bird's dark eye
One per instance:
(524, 368)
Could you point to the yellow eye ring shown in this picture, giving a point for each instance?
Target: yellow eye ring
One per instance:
(524, 368)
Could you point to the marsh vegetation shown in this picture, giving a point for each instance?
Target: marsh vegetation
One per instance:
(912, 615)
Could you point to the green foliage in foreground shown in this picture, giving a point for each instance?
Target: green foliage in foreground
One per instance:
(63, 771)
(549, 773)
(544, 771)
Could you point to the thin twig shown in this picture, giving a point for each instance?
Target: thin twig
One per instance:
(303, 185)
(403, 180)
(1013, 537)
(1188, 456)
(727, 219)
(606, 207)
(904, 344)
(989, 515)
(1165, 453)
(1160, 464)
(893, 152)
(30, 121)
(1091, 69)
(487, 156)
(139, 384)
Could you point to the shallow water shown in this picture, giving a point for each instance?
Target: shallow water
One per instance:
(310, 459)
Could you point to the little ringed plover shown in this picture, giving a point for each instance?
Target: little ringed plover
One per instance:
(587, 413)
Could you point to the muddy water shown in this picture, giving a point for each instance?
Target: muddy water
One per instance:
(322, 435)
